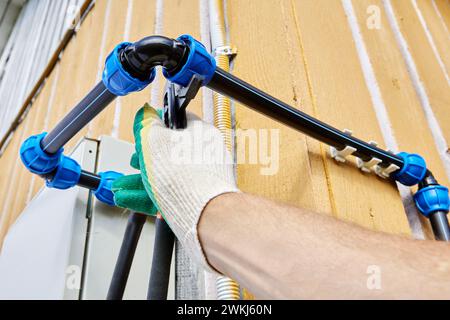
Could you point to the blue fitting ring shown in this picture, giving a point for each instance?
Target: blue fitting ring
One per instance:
(104, 192)
(67, 175)
(199, 62)
(117, 79)
(432, 199)
(413, 171)
(35, 159)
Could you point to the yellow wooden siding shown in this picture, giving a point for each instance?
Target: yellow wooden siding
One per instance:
(431, 73)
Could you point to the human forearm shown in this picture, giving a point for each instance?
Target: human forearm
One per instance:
(280, 251)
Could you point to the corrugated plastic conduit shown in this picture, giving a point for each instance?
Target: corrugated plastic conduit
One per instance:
(227, 289)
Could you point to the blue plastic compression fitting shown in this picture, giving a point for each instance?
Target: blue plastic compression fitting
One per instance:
(62, 172)
(104, 192)
(199, 62)
(37, 160)
(413, 170)
(117, 79)
(67, 174)
(432, 199)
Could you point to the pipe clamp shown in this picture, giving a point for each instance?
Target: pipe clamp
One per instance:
(229, 51)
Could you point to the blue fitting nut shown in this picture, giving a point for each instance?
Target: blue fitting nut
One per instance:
(117, 79)
(198, 62)
(413, 171)
(67, 175)
(432, 199)
(35, 159)
(104, 192)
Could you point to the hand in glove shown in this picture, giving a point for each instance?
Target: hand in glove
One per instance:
(181, 172)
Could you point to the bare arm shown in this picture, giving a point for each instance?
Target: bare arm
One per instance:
(277, 251)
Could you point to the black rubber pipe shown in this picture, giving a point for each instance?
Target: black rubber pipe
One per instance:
(78, 118)
(130, 241)
(233, 87)
(162, 260)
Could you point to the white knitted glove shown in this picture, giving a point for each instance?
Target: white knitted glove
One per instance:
(182, 171)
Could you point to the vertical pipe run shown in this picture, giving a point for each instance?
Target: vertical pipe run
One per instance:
(162, 259)
(227, 289)
(119, 280)
(440, 226)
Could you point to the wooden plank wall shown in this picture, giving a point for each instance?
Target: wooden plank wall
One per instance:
(389, 84)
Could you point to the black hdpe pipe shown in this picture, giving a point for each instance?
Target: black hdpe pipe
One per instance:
(243, 92)
(162, 253)
(89, 180)
(439, 224)
(88, 108)
(127, 251)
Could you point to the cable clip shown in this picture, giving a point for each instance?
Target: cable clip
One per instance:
(385, 173)
(367, 166)
(229, 51)
(341, 155)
